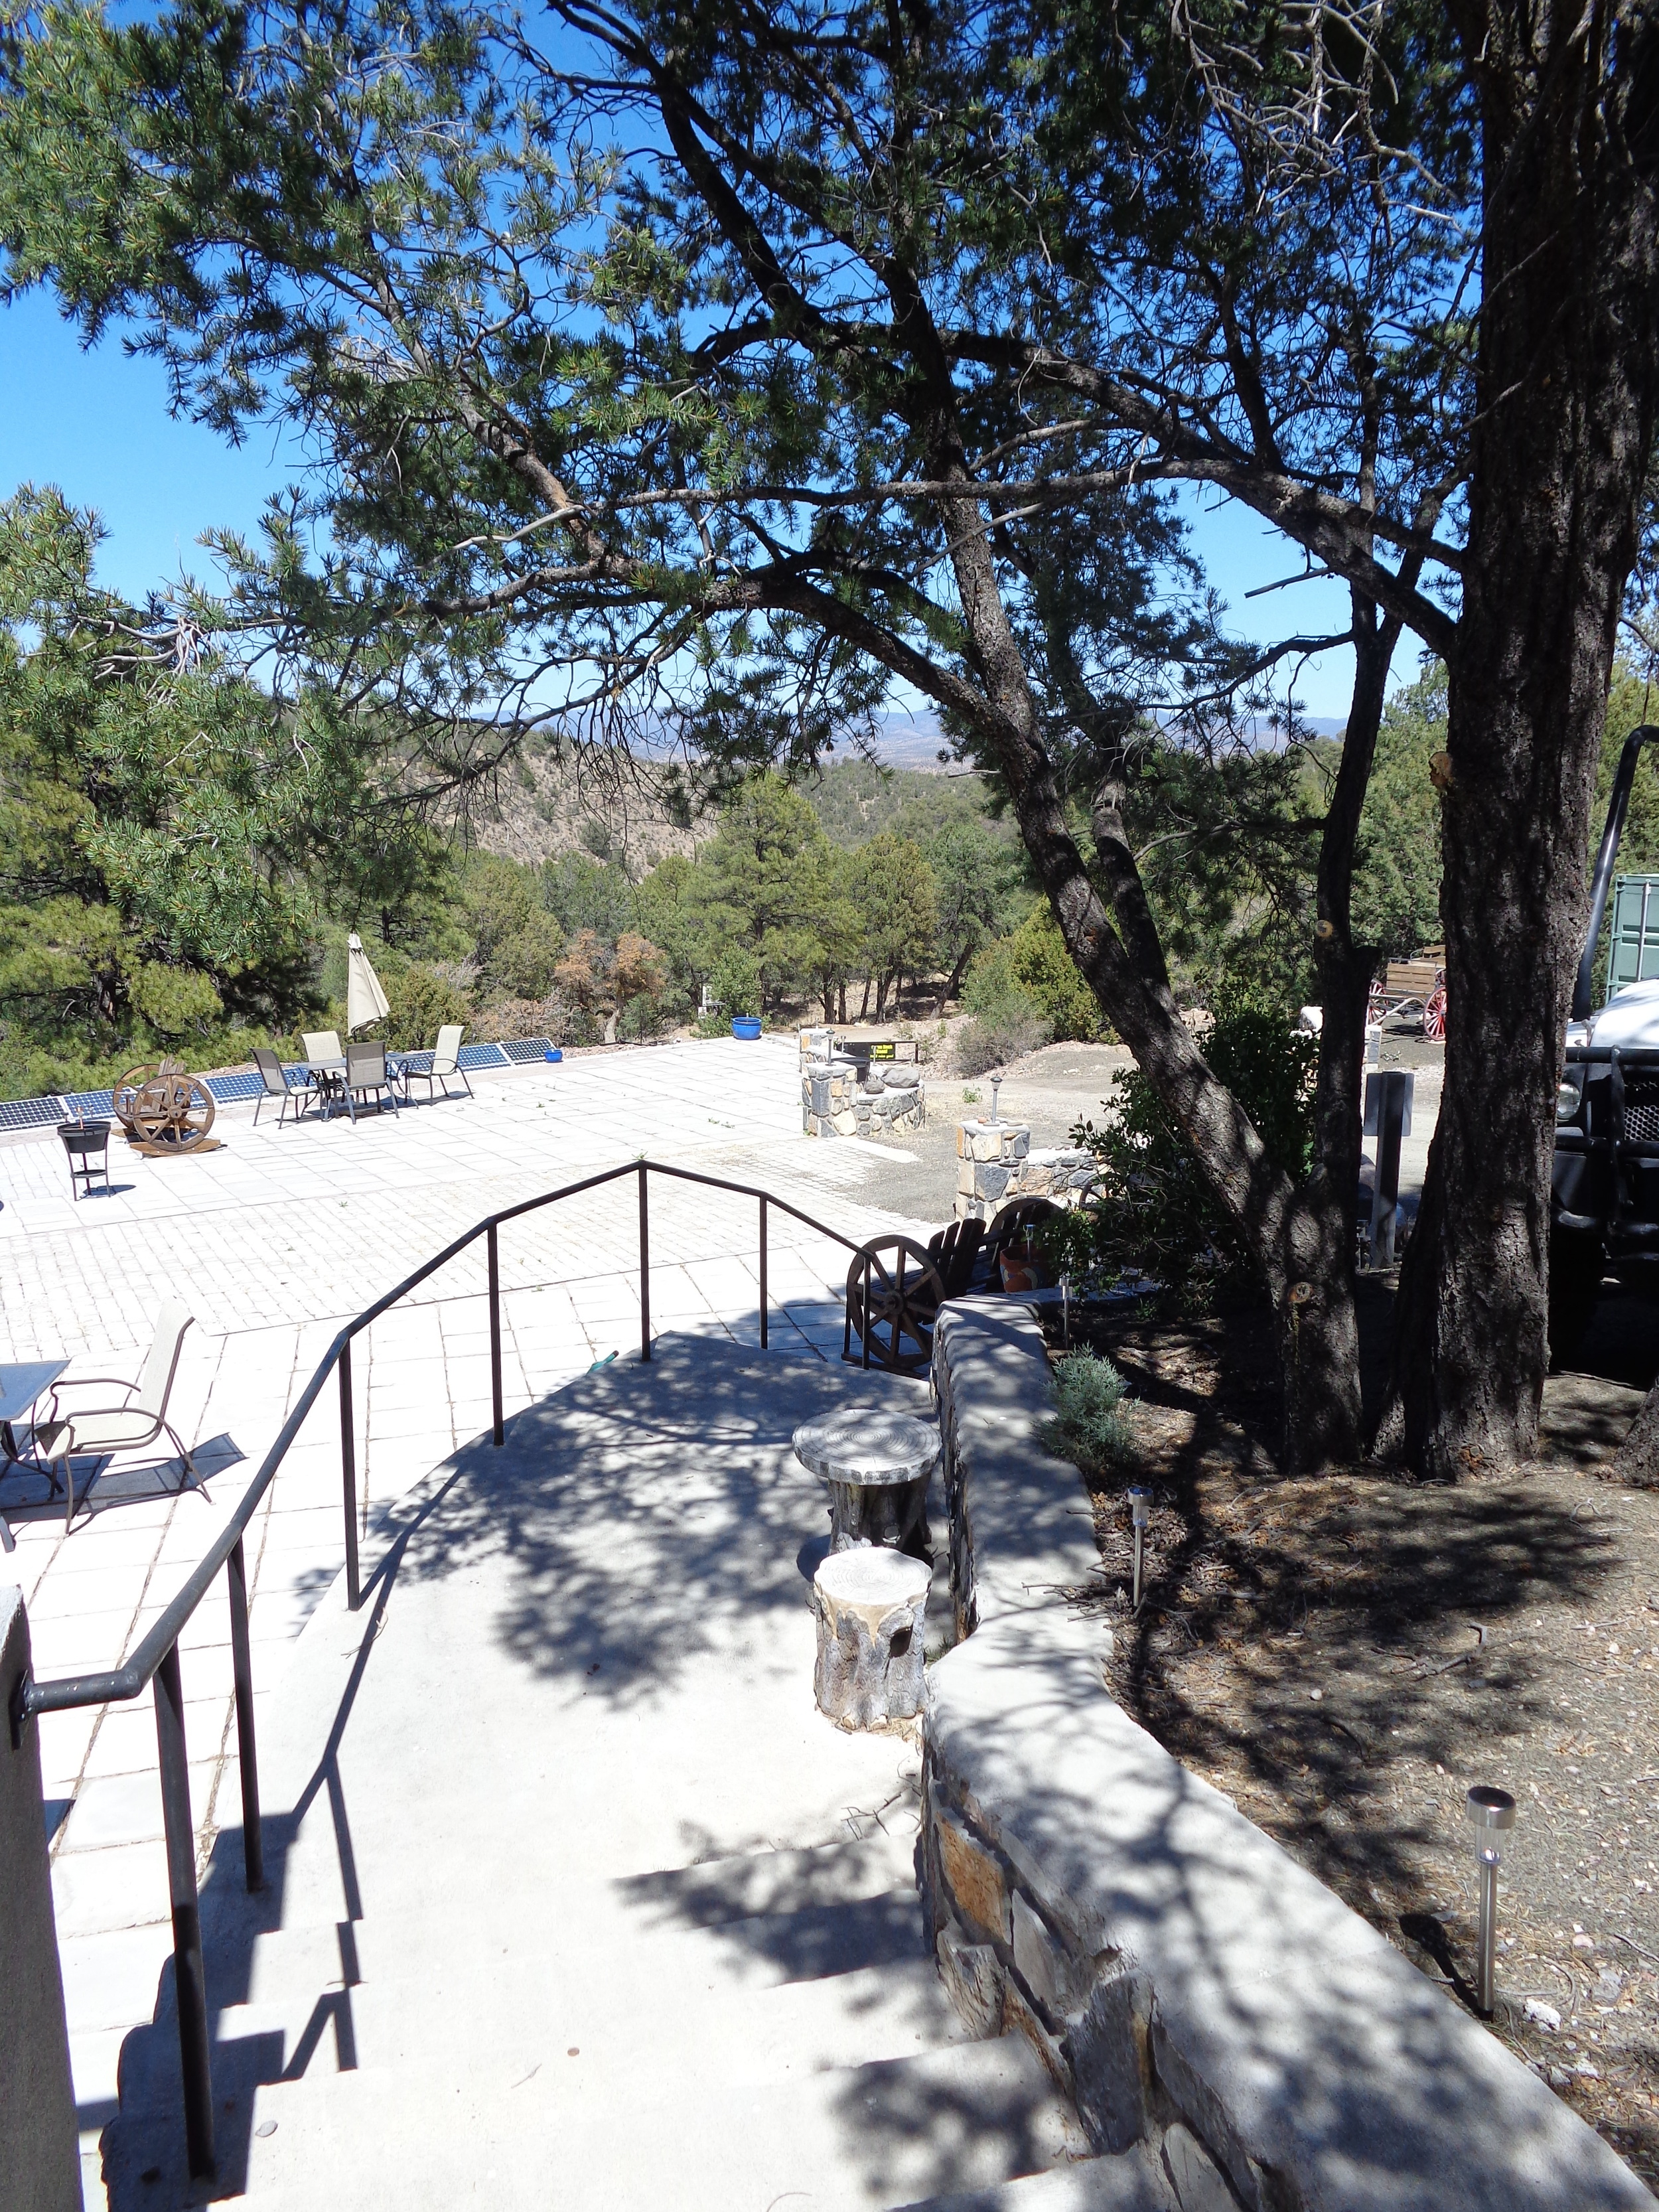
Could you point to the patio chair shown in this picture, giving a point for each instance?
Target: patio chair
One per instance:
(275, 1079)
(367, 1073)
(446, 1063)
(323, 1044)
(68, 1433)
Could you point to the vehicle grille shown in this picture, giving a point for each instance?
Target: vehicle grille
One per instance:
(1641, 1110)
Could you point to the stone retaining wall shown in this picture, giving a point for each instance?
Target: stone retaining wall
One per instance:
(1188, 1986)
(843, 1098)
(995, 1164)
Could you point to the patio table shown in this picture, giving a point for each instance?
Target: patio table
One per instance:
(22, 1384)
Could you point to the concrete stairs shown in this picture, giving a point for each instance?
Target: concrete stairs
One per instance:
(567, 1911)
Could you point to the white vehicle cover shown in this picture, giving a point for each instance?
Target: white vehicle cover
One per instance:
(1631, 1017)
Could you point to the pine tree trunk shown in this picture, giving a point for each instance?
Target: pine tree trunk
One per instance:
(1637, 1462)
(1566, 378)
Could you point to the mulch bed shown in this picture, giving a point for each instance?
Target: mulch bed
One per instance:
(1343, 1658)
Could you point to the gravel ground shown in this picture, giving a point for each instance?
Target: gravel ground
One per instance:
(1051, 1090)
(1343, 1657)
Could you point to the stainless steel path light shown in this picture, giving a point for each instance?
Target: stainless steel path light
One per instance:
(996, 1092)
(1490, 1810)
(1140, 1507)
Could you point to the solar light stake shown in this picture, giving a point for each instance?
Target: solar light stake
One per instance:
(1490, 1810)
(1065, 1311)
(996, 1089)
(1140, 1506)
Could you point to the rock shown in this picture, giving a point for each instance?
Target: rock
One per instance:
(1545, 2016)
(974, 1877)
(1197, 2181)
(973, 1976)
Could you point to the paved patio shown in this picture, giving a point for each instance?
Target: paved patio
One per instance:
(272, 1241)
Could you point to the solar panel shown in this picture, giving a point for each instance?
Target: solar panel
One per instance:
(523, 1049)
(29, 1113)
(419, 1061)
(473, 1057)
(228, 1089)
(99, 1103)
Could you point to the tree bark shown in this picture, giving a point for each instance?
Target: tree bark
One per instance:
(1637, 1462)
(1567, 368)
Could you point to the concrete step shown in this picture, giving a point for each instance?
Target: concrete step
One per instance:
(701, 2027)
(1132, 2182)
(857, 2139)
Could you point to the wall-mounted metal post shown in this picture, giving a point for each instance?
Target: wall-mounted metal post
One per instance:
(495, 1337)
(190, 1976)
(348, 1477)
(1492, 1812)
(253, 1849)
(645, 1266)
(762, 1272)
(1140, 1506)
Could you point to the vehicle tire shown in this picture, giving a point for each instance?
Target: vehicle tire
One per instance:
(1576, 1267)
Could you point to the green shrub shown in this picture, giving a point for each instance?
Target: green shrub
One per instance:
(1044, 969)
(419, 1003)
(1006, 1020)
(1087, 1425)
(734, 985)
(1153, 1211)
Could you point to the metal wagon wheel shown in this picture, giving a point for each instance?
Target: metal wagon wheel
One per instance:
(1434, 1008)
(176, 1110)
(894, 1293)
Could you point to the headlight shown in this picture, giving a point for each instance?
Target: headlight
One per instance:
(1570, 1096)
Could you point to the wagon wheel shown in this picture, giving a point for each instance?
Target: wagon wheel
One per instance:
(126, 1091)
(1434, 1008)
(173, 1110)
(893, 1321)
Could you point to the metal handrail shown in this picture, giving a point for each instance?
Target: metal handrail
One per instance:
(156, 1658)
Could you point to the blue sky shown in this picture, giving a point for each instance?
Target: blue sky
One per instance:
(96, 424)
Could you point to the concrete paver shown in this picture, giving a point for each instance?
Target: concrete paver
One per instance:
(272, 1241)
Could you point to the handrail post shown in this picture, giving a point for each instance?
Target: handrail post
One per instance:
(349, 1476)
(190, 1976)
(645, 1267)
(762, 1272)
(494, 1336)
(254, 1847)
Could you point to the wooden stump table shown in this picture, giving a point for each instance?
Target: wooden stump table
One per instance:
(878, 1466)
(869, 1601)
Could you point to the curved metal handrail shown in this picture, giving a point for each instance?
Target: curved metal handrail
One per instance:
(155, 1659)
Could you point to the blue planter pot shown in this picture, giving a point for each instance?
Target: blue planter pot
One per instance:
(552, 1052)
(746, 1026)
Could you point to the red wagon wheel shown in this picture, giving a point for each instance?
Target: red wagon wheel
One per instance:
(1434, 1008)
(894, 1293)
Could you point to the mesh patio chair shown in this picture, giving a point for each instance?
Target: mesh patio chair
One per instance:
(275, 1079)
(366, 1074)
(323, 1044)
(69, 1433)
(446, 1064)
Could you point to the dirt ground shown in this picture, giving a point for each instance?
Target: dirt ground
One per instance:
(1344, 1657)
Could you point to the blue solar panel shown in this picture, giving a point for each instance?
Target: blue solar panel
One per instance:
(29, 1113)
(228, 1089)
(419, 1061)
(99, 1103)
(523, 1049)
(481, 1056)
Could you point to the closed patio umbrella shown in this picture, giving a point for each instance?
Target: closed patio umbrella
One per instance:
(365, 999)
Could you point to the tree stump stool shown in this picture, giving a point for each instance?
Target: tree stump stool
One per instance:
(878, 1466)
(869, 1602)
